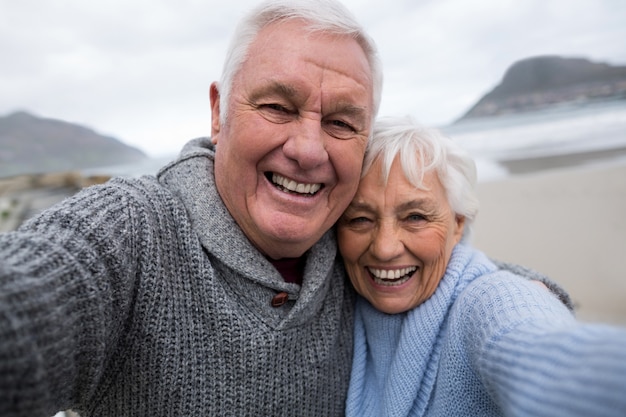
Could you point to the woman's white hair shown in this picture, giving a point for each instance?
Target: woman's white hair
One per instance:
(328, 16)
(421, 150)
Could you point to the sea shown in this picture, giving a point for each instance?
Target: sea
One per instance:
(585, 133)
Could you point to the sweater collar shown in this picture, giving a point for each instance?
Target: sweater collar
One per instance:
(396, 356)
(191, 178)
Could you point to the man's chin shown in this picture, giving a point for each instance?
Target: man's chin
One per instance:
(292, 242)
(292, 232)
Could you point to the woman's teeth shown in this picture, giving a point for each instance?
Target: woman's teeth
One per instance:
(389, 277)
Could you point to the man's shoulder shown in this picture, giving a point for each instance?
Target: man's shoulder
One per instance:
(137, 188)
(134, 196)
(194, 162)
(533, 275)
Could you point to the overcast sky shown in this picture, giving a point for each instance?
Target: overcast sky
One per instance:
(140, 70)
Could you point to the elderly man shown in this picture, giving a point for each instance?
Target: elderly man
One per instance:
(212, 289)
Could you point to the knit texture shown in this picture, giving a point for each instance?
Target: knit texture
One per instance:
(142, 297)
(487, 343)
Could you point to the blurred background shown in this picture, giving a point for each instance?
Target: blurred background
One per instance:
(535, 90)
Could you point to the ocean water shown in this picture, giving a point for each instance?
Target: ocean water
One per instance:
(572, 129)
(148, 166)
(563, 130)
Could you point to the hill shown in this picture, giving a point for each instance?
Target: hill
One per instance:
(31, 144)
(544, 81)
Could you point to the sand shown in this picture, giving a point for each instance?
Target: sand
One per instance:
(569, 224)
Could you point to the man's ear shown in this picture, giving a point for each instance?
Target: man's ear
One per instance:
(215, 112)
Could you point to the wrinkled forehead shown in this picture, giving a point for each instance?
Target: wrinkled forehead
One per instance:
(284, 53)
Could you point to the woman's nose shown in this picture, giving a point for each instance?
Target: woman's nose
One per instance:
(386, 243)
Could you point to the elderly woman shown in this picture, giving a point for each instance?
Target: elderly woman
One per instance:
(440, 330)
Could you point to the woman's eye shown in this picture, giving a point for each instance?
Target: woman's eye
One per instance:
(359, 220)
(415, 218)
(351, 220)
(359, 223)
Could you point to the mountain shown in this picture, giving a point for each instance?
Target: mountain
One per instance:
(31, 144)
(544, 81)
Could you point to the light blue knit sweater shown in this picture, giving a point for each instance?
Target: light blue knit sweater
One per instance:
(487, 343)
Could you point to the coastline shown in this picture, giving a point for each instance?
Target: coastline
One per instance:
(24, 196)
(534, 164)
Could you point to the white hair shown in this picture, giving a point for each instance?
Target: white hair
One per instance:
(321, 16)
(421, 150)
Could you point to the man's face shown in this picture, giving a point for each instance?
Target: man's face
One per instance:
(288, 158)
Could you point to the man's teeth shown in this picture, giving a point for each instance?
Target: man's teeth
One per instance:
(392, 276)
(291, 185)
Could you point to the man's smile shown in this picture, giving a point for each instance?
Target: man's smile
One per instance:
(291, 186)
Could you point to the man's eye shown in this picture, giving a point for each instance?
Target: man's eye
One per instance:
(276, 113)
(339, 129)
(275, 107)
(342, 124)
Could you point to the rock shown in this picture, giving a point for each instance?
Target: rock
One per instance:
(541, 82)
(31, 144)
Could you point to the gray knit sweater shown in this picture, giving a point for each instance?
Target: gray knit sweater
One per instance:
(143, 298)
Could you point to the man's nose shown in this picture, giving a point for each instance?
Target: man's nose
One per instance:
(306, 144)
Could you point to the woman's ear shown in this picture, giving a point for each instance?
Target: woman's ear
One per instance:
(215, 112)
(459, 225)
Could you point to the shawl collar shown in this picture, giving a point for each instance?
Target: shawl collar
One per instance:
(191, 178)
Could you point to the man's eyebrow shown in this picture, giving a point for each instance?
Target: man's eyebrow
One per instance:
(274, 87)
(350, 109)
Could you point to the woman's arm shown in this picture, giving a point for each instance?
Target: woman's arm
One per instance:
(534, 358)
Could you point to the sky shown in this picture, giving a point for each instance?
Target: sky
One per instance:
(140, 70)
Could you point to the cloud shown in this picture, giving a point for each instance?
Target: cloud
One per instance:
(140, 70)
(440, 57)
(135, 69)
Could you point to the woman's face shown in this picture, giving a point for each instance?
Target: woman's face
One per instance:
(396, 240)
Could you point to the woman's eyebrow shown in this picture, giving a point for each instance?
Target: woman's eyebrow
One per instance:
(418, 203)
(359, 205)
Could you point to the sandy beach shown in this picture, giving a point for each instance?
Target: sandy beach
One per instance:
(569, 224)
